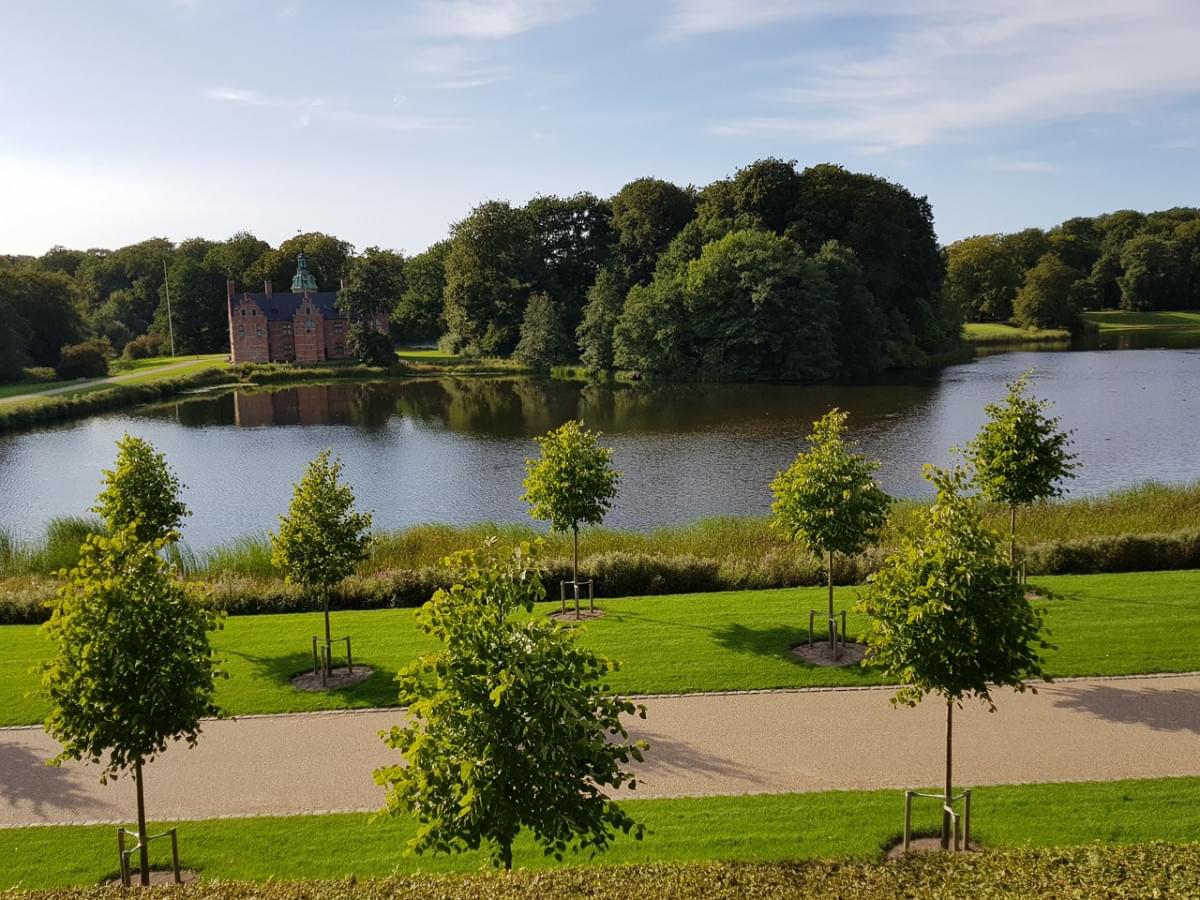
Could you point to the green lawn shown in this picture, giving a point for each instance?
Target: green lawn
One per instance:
(850, 825)
(148, 367)
(1002, 333)
(425, 354)
(15, 390)
(1103, 625)
(1117, 321)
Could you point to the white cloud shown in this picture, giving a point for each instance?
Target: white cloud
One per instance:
(1017, 166)
(692, 17)
(492, 19)
(310, 109)
(952, 68)
(454, 67)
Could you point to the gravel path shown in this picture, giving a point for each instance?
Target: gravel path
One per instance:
(84, 384)
(701, 745)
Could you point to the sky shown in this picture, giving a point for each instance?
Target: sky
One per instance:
(386, 122)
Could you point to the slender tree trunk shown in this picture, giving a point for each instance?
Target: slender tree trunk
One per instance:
(506, 854)
(1012, 538)
(832, 627)
(328, 634)
(575, 569)
(949, 792)
(143, 842)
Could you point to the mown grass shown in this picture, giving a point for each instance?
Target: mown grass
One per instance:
(847, 826)
(1117, 321)
(684, 643)
(1003, 333)
(124, 366)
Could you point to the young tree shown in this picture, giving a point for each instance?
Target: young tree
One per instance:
(606, 298)
(545, 341)
(947, 617)
(510, 724)
(141, 492)
(1020, 455)
(572, 484)
(1049, 298)
(828, 499)
(133, 669)
(321, 538)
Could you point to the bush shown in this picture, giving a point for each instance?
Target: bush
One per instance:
(86, 360)
(1116, 553)
(145, 347)
(38, 374)
(370, 346)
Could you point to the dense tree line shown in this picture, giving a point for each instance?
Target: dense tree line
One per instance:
(1121, 260)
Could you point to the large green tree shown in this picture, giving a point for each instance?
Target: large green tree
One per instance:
(374, 283)
(545, 341)
(418, 315)
(828, 501)
(606, 299)
(490, 270)
(573, 240)
(982, 278)
(1020, 455)
(510, 724)
(1050, 296)
(1151, 277)
(48, 307)
(133, 669)
(946, 616)
(646, 215)
(571, 483)
(322, 537)
(198, 309)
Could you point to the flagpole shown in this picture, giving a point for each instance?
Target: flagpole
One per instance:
(170, 321)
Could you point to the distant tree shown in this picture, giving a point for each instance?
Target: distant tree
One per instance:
(545, 738)
(1020, 455)
(321, 538)
(545, 341)
(374, 284)
(14, 339)
(606, 298)
(49, 308)
(370, 346)
(573, 238)
(141, 492)
(1026, 246)
(61, 259)
(133, 669)
(146, 346)
(418, 315)
(862, 340)
(1151, 274)
(946, 615)
(646, 215)
(828, 499)
(982, 278)
(234, 257)
(572, 483)
(765, 194)
(198, 310)
(490, 268)
(88, 359)
(1049, 298)
(652, 336)
(1186, 238)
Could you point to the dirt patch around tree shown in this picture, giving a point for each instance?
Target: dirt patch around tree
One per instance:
(157, 877)
(341, 678)
(585, 615)
(820, 654)
(925, 845)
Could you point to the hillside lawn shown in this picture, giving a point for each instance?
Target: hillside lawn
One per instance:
(139, 371)
(1003, 333)
(739, 640)
(1163, 322)
(843, 825)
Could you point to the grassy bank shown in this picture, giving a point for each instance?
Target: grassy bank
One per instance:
(850, 826)
(986, 333)
(1166, 323)
(1101, 624)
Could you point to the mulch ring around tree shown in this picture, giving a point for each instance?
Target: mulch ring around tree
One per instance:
(819, 654)
(157, 876)
(341, 678)
(925, 845)
(569, 616)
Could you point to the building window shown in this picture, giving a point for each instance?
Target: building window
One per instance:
(309, 328)
(242, 328)
(337, 327)
(258, 331)
(243, 310)
(287, 327)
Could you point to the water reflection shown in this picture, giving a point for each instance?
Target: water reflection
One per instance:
(453, 449)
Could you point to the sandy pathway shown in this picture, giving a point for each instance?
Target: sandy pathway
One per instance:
(700, 745)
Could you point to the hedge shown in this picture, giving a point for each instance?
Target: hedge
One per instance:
(1096, 871)
(622, 574)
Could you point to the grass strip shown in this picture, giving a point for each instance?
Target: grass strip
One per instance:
(847, 826)
(738, 640)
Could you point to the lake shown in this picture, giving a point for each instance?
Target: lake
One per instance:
(453, 449)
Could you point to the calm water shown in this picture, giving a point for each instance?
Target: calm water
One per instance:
(452, 450)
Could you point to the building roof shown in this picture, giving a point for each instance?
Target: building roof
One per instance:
(279, 307)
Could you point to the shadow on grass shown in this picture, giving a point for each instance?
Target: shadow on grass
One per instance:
(774, 640)
(378, 690)
(26, 782)
(1162, 710)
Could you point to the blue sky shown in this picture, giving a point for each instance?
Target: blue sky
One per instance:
(385, 122)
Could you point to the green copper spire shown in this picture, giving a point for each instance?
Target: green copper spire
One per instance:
(303, 279)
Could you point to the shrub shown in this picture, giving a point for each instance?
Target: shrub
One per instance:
(145, 346)
(86, 360)
(38, 374)
(370, 346)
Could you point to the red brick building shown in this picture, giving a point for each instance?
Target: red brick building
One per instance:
(303, 325)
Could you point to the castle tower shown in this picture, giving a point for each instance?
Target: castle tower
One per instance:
(303, 280)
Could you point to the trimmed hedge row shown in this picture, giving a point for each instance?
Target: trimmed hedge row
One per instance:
(621, 574)
(1097, 871)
